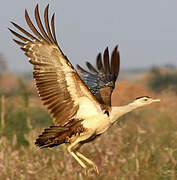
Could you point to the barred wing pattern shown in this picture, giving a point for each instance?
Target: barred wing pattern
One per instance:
(58, 83)
(101, 81)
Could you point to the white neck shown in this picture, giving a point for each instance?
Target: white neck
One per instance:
(117, 112)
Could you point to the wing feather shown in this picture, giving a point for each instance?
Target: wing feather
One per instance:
(91, 68)
(82, 71)
(102, 83)
(59, 86)
(115, 62)
(20, 36)
(46, 20)
(19, 43)
(31, 26)
(53, 28)
(39, 23)
(106, 61)
(25, 32)
(99, 63)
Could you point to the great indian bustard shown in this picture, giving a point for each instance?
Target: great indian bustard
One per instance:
(80, 107)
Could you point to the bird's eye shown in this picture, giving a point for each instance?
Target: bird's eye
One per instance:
(145, 99)
(106, 112)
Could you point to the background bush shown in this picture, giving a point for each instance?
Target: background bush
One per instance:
(159, 81)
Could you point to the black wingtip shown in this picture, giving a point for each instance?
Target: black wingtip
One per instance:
(53, 28)
(12, 22)
(53, 18)
(10, 30)
(26, 13)
(19, 43)
(47, 6)
(116, 47)
(87, 63)
(36, 8)
(99, 63)
(106, 50)
(99, 56)
(15, 41)
(23, 49)
(106, 61)
(91, 68)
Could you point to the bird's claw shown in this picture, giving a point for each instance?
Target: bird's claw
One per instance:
(94, 167)
(86, 171)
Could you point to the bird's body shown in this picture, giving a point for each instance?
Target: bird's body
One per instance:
(79, 105)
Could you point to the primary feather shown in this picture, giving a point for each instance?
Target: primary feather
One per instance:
(101, 81)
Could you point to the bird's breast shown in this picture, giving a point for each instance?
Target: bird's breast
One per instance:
(88, 108)
(98, 124)
(94, 118)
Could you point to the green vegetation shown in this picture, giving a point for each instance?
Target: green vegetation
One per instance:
(16, 125)
(159, 82)
(18, 119)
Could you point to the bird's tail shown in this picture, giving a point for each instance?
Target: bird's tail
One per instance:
(52, 136)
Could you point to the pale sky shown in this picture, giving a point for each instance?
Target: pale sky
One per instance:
(146, 30)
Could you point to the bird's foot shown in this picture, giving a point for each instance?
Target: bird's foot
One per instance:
(95, 168)
(87, 170)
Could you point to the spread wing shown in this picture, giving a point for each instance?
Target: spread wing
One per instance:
(101, 81)
(58, 83)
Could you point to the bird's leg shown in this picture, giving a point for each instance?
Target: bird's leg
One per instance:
(88, 161)
(73, 154)
(72, 150)
(77, 159)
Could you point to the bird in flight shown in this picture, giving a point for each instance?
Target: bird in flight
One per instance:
(79, 102)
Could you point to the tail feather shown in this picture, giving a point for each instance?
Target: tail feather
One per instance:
(52, 136)
(56, 135)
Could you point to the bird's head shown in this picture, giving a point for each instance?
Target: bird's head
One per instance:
(144, 100)
(139, 102)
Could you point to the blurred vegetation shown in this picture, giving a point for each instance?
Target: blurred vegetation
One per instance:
(142, 145)
(162, 81)
(16, 125)
(18, 119)
(23, 92)
(3, 64)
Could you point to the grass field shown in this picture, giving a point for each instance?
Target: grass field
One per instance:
(141, 146)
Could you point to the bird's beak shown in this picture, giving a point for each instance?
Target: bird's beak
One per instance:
(155, 100)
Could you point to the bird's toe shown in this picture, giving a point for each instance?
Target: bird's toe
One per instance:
(95, 168)
(86, 171)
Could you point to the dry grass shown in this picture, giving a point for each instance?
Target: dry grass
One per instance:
(143, 145)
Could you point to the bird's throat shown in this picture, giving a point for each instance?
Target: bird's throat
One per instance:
(117, 112)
